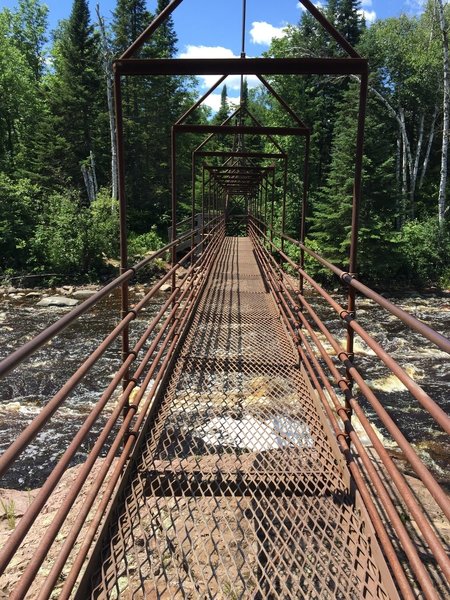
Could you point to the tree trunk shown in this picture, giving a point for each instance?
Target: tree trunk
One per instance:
(446, 108)
(107, 67)
(429, 145)
(94, 175)
(415, 168)
(88, 182)
(398, 165)
(404, 182)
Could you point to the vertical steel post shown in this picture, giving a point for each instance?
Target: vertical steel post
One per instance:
(283, 213)
(193, 237)
(122, 223)
(304, 209)
(244, 16)
(266, 202)
(357, 186)
(273, 204)
(246, 212)
(264, 192)
(174, 202)
(209, 204)
(203, 207)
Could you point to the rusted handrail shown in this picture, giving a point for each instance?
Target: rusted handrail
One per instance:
(290, 301)
(439, 340)
(409, 547)
(15, 358)
(51, 533)
(30, 432)
(416, 390)
(180, 303)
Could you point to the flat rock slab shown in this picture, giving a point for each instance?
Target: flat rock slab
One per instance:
(57, 301)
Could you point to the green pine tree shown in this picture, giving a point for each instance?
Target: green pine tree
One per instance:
(348, 20)
(331, 220)
(77, 101)
(224, 109)
(130, 18)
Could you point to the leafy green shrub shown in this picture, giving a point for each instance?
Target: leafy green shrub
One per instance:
(426, 249)
(70, 239)
(61, 235)
(104, 226)
(19, 209)
(139, 245)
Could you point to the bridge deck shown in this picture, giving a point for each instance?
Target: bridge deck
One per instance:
(240, 491)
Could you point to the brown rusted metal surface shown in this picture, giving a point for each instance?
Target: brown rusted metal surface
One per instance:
(240, 490)
(241, 66)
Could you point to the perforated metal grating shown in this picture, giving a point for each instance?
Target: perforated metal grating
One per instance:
(240, 491)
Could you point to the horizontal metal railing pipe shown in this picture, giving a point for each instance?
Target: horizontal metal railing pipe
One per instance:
(26, 522)
(432, 335)
(413, 323)
(88, 538)
(54, 478)
(386, 543)
(383, 495)
(376, 520)
(70, 581)
(418, 466)
(59, 519)
(429, 535)
(15, 358)
(52, 531)
(397, 477)
(421, 470)
(30, 432)
(62, 513)
(416, 390)
(46, 490)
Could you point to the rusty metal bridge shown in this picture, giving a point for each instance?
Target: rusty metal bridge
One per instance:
(237, 457)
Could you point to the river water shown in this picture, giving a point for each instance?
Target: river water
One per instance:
(24, 391)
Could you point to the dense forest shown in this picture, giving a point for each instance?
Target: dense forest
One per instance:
(58, 208)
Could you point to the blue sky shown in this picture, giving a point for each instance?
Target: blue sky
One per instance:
(212, 28)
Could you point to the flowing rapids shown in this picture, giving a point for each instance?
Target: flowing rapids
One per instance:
(424, 363)
(24, 391)
(30, 386)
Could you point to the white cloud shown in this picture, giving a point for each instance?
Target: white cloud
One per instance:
(207, 52)
(369, 15)
(263, 32)
(213, 101)
(366, 2)
(233, 82)
(318, 5)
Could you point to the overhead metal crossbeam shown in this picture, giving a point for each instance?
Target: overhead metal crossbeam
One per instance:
(233, 154)
(242, 66)
(242, 129)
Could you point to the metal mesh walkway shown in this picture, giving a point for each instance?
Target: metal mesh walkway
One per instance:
(240, 491)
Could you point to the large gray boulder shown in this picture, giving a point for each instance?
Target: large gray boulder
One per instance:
(57, 301)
